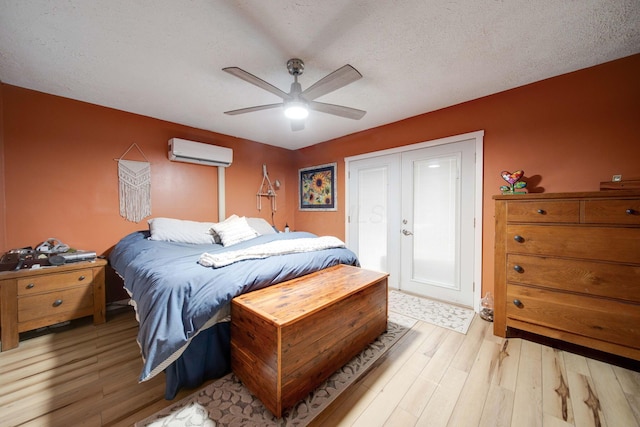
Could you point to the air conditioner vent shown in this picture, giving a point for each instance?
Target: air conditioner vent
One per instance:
(182, 150)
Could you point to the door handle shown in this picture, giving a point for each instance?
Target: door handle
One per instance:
(407, 232)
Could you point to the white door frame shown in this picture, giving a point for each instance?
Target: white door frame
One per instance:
(479, 138)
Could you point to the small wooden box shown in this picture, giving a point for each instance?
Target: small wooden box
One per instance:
(288, 338)
(630, 184)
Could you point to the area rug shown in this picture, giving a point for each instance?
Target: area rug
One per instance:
(226, 402)
(430, 311)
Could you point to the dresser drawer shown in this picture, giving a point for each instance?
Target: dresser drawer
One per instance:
(612, 211)
(49, 282)
(620, 245)
(610, 321)
(67, 304)
(541, 211)
(618, 281)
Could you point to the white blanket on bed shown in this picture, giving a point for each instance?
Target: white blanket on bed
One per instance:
(277, 247)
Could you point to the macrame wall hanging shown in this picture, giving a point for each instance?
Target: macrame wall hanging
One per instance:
(135, 187)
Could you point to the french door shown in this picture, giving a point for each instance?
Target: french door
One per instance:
(412, 214)
(374, 222)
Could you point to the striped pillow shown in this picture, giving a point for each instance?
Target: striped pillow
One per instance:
(234, 231)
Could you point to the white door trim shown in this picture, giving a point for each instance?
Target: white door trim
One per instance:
(479, 142)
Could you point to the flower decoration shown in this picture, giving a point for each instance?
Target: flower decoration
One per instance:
(513, 178)
(317, 188)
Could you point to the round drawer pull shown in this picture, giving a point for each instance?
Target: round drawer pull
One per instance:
(541, 211)
(517, 303)
(81, 278)
(631, 212)
(518, 269)
(57, 303)
(31, 286)
(518, 238)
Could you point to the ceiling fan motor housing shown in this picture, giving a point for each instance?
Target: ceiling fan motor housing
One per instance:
(295, 66)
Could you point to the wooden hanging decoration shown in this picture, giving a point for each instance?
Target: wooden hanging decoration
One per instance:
(134, 187)
(266, 190)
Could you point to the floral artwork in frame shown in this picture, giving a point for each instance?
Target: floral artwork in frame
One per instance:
(317, 186)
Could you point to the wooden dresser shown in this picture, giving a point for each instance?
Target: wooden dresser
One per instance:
(567, 266)
(33, 298)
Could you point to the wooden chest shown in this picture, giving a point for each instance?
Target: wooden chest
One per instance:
(288, 338)
(568, 267)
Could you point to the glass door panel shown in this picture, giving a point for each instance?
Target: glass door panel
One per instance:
(373, 218)
(435, 221)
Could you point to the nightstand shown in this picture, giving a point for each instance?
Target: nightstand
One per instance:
(34, 298)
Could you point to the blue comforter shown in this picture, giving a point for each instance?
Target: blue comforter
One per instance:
(175, 296)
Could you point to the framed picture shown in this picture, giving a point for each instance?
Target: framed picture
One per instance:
(318, 188)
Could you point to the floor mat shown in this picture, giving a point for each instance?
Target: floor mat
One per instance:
(226, 402)
(430, 311)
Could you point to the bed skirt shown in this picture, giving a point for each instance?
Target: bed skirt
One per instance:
(208, 356)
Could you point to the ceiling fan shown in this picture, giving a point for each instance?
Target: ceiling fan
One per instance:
(298, 102)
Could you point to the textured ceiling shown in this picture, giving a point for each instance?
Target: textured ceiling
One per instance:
(164, 58)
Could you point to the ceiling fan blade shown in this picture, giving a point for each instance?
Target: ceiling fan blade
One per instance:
(297, 125)
(339, 78)
(252, 109)
(337, 110)
(248, 77)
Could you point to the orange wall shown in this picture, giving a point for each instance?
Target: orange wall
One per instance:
(61, 178)
(574, 131)
(3, 225)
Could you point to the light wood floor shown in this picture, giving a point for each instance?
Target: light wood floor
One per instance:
(87, 375)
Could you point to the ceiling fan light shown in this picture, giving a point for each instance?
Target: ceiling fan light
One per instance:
(296, 110)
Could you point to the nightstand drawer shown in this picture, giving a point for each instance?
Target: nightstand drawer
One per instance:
(541, 211)
(77, 301)
(49, 282)
(612, 211)
(598, 318)
(618, 281)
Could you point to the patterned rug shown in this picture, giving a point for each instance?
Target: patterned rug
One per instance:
(430, 311)
(226, 402)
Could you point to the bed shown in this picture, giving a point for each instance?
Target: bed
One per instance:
(182, 301)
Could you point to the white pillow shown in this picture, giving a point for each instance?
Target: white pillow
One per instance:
(261, 226)
(180, 230)
(216, 238)
(233, 231)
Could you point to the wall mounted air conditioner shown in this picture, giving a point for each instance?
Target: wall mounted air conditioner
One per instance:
(181, 150)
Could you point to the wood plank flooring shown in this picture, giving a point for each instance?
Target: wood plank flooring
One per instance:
(86, 375)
